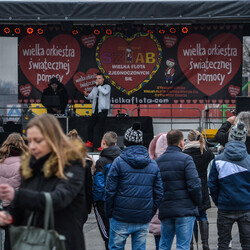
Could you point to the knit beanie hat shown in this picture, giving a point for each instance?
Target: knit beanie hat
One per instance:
(238, 133)
(133, 135)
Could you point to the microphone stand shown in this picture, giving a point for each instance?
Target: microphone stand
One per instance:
(73, 103)
(138, 110)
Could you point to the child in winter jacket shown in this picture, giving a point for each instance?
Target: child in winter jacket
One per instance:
(108, 154)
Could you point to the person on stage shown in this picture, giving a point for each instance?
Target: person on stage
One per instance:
(56, 105)
(100, 98)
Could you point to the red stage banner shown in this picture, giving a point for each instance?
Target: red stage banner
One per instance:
(142, 68)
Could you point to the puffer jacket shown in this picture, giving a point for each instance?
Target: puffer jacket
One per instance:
(103, 165)
(229, 178)
(10, 171)
(68, 197)
(182, 185)
(134, 187)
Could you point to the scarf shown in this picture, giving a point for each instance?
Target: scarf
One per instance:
(37, 164)
(191, 144)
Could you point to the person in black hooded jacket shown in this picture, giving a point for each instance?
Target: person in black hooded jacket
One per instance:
(55, 88)
(89, 163)
(107, 156)
(196, 148)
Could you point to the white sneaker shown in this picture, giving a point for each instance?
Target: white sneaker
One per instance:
(230, 245)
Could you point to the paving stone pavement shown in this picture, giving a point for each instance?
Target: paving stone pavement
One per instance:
(94, 241)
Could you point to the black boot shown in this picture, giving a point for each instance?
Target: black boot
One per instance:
(204, 229)
(191, 244)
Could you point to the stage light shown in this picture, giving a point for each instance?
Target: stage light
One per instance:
(6, 30)
(161, 31)
(75, 32)
(40, 31)
(109, 32)
(30, 30)
(17, 31)
(172, 30)
(184, 30)
(150, 31)
(97, 32)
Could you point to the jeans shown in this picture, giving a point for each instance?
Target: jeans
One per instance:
(182, 227)
(119, 232)
(225, 221)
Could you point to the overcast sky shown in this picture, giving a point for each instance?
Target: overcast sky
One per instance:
(8, 59)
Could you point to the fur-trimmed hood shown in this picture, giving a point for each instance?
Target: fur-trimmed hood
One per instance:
(50, 167)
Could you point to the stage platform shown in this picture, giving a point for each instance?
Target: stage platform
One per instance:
(116, 124)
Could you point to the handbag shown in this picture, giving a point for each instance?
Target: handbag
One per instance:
(30, 237)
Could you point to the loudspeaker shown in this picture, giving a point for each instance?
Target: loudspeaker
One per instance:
(3, 137)
(117, 124)
(242, 104)
(11, 127)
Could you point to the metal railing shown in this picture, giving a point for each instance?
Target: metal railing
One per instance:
(173, 120)
(202, 120)
(208, 120)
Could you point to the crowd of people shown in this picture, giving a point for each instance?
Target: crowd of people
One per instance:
(162, 190)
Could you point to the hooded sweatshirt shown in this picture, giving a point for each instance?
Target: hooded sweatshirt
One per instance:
(103, 165)
(134, 187)
(229, 178)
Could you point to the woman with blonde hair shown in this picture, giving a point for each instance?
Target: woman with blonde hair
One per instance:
(52, 165)
(10, 161)
(195, 146)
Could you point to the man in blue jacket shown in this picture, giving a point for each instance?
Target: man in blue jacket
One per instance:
(229, 184)
(133, 192)
(182, 194)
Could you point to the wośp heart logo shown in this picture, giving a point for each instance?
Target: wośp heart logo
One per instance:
(41, 60)
(129, 63)
(25, 90)
(233, 90)
(210, 66)
(88, 41)
(85, 82)
(170, 40)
